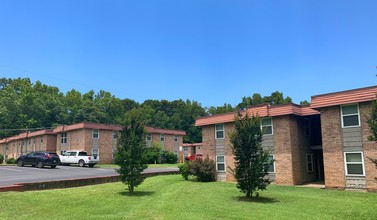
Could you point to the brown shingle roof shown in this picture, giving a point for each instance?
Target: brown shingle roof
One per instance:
(260, 110)
(345, 97)
(164, 131)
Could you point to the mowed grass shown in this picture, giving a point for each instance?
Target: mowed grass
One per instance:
(149, 166)
(170, 197)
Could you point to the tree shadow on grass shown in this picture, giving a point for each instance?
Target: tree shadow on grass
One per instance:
(255, 199)
(137, 193)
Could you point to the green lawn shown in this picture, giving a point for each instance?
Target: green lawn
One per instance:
(150, 165)
(170, 197)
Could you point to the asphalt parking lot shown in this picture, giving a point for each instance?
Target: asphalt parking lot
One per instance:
(10, 175)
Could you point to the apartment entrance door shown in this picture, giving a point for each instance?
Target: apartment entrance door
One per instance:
(318, 163)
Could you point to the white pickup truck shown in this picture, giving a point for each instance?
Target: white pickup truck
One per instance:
(78, 157)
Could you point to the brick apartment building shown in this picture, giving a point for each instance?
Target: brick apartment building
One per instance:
(326, 141)
(99, 140)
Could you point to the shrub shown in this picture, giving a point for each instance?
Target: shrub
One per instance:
(153, 153)
(203, 170)
(1, 159)
(184, 169)
(169, 157)
(11, 161)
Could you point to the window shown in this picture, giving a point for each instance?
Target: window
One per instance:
(220, 163)
(175, 138)
(95, 134)
(95, 153)
(115, 135)
(271, 168)
(267, 126)
(41, 139)
(309, 163)
(114, 153)
(185, 152)
(34, 140)
(162, 137)
(307, 127)
(63, 139)
(219, 131)
(350, 115)
(354, 163)
(149, 137)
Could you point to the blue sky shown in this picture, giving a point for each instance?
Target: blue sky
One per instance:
(211, 51)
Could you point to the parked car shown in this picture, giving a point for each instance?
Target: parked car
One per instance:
(193, 157)
(39, 159)
(78, 157)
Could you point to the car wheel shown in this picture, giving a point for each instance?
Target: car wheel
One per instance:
(39, 164)
(53, 166)
(81, 163)
(20, 163)
(91, 165)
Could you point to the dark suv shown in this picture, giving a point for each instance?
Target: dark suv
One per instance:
(39, 159)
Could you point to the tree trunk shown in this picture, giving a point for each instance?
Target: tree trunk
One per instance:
(130, 189)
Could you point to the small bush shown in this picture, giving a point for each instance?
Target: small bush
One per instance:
(184, 169)
(169, 157)
(1, 159)
(11, 161)
(203, 170)
(153, 153)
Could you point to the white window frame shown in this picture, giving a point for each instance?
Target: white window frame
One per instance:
(115, 135)
(175, 138)
(217, 162)
(94, 153)
(311, 170)
(93, 132)
(358, 116)
(273, 157)
(114, 151)
(63, 138)
(162, 137)
(219, 131)
(148, 137)
(263, 126)
(362, 163)
(185, 152)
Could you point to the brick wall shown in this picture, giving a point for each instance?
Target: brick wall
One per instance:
(208, 140)
(105, 146)
(286, 151)
(332, 147)
(49, 143)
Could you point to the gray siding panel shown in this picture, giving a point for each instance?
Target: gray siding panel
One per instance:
(220, 149)
(95, 143)
(352, 137)
(268, 141)
(352, 148)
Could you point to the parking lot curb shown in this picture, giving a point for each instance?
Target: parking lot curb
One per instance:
(69, 183)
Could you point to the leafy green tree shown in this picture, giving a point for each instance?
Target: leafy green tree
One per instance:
(372, 122)
(251, 160)
(131, 150)
(304, 102)
(220, 109)
(153, 153)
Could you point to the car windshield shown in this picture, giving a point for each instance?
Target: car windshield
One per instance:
(53, 154)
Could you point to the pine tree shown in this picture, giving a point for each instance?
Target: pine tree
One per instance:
(131, 156)
(251, 160)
